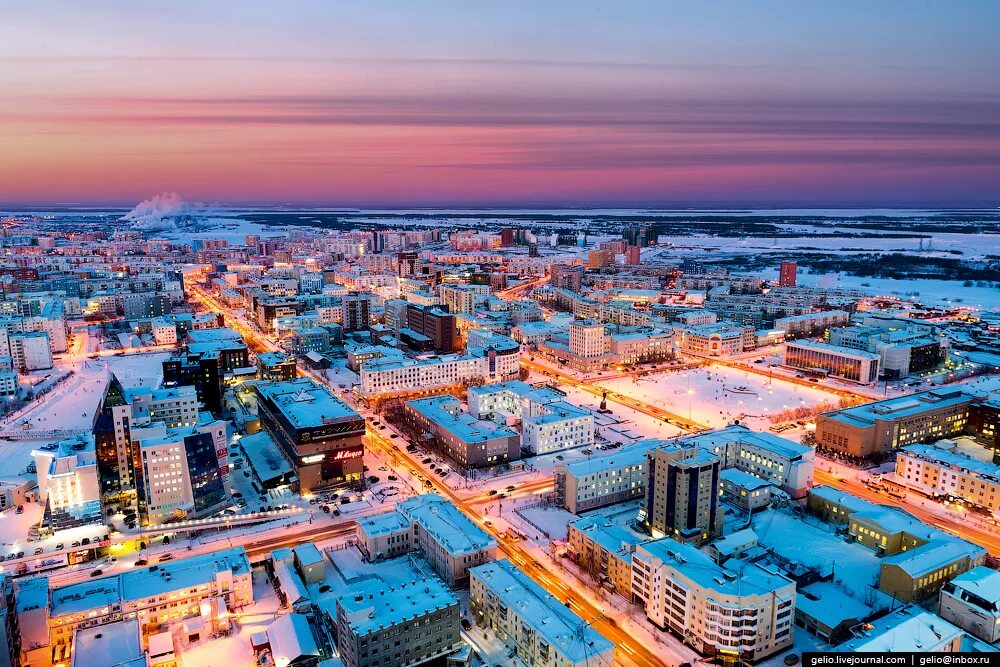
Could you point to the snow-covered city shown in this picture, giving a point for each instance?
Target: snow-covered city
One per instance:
(567, 334)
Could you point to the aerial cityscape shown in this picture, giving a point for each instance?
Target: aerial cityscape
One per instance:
(580, 335)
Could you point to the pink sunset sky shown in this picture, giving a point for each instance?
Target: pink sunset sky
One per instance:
(391, 103)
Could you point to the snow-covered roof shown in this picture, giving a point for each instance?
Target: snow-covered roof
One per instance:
(452, 529)
(291, 638)
(109, 644)
(383, 523)
(906, 629)
(562, 628)
(634, 454)
(611, 537)
(374, 604)
(981, 581)
(829, 605)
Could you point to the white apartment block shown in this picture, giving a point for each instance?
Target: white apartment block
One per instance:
(175, 406)
(972, 602)
(167, 483)
(31, 351)
(164, 331)
(564, 427)
(605, 480)
(748, 611)
(461, 298)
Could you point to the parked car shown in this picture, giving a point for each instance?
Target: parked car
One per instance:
(96, 573)
(511, 487)
(166, 557)
(75, 544)
(38, 551)
(326, 508)
(59, 546)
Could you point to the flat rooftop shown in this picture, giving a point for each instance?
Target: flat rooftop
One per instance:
(383, 523)
(901, 407)
(446, 412)
(446, 524)
(376, 603)
(114, 644)
(305, 403)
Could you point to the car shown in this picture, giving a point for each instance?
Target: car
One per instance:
(324, 588)
(166, 557)
(466, 625)
(20, 554)
(428, 483)
(19, 510)
(38, 551)
(511, 487)
(246, 473)
(345, 500)
(336, 512)
(493, 492)
(432, 467)
(442, 472)
(236, 494)
(96, 573)
(312, 501)
(392, 478)
(75, 544)
(59, 546)
(559, 457)
(501, 496)
(427, 461)
(325, 508)
(373, 480)
(393, 435)
(85, 541)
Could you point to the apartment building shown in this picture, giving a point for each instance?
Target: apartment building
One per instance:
(391, 376)
(603, 480)
(941, 470)
(722, 339)
(539, 628)
(449, 541)
(812, 324)
(174, 406)
(30, 351)
(604, 551)
(745, 610)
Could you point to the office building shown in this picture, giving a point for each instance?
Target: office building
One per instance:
(276, 367)
(182, 476)
(843, 363)
(318, 433)
(436, 323)
(456, 434)
(880, 427)
(539, 628)
(202, 371)
(682, 493)
(907, 629)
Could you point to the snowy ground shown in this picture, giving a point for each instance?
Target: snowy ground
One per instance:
(717, 395)
(808, 541)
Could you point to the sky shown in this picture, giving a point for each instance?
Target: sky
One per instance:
(626, 103)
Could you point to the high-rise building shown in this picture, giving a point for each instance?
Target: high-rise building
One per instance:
(598, 259)
(566, 276)
(788, 274)
(507, 236)
(407, 263)
(633, 255)
(201, 370)
(682, 493)
(355, 311)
